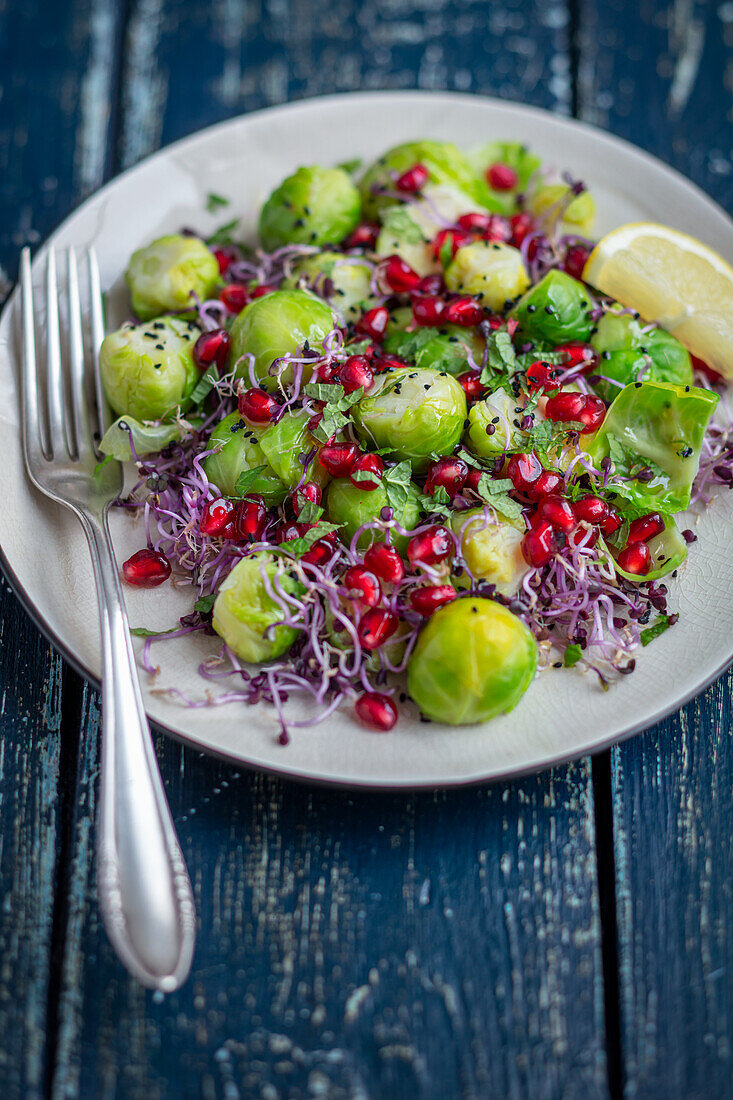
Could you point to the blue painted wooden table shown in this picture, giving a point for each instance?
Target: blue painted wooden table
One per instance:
(566, 935)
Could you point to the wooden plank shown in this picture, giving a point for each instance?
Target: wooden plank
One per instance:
(671, 786)
(351, 944)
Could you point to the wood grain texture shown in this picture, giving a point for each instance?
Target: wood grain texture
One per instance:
(672, 785)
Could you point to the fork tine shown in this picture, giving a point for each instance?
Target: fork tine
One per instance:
(95, 294)
(80, 436)
(32, 438)
(54, 377)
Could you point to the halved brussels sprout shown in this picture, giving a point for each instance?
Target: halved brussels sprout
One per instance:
(558, 309)
(493, 272)
(668, 550)
(445, 348)
(313, 206)
(240, 451)
(148, 370)
(473, 660)
(162, 276)
(492, 548)
(579, 213)
(343, 281)
(414, 413)
(498, 413)
(514, 155)
(245, 616)
(626, 351)
(279, 324)
(446, 164)
(654, 429)
(284, 443)
(351, 506)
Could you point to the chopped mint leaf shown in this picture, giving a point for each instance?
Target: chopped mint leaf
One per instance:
(297, 547)
(351, 166)
(501, 358)
(310, 512)
(445, 255)
(205, 385)
(657, 628)
(248, 478)
(214, 202)
(143, 632)
(396, 481)
(496, 493)
(204, 604)
(223, 235)
(573, 654)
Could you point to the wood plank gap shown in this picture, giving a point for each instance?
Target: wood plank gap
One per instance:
(113, 161)
(606, 876)
(72, 688)
(574, 55)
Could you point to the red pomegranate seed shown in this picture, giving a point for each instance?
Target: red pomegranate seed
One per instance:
(575, 260)
(558, 513)
(428, 310)
(546, 484)
(428, 599)
(384, 562)
(646, 527)
(472, 481)
(212, 347)
(431, 284)
(319, 553)
(475, 222)
(290, 531)
(523, 470)
(575, 353)
(388, 362)
(635, 558)
(373, 323)
(339, 458)
(499, 229)
(455, 238)
(398, 275)
(704, 368)
(216, 516)
(146, 569)
(360, 580)
(538, 544)
(261, 290)
(586, 537)
(611, 522)
(366, 472)
(234, 296)
(355, 372)
(250, 518)
(377, 710)
(522, 225)
(471, 382)
(446, 473)
(315, 420)
(364, 236)
(501, 177)
(376, 626)
(590, 509)
(308, 493)
(566, 406)
(542, 376)
(593, 414)
(431, 546)
(413, 180)
(257, 406)
(464, 312)
(224, 259)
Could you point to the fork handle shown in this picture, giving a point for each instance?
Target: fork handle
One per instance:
(144, 889)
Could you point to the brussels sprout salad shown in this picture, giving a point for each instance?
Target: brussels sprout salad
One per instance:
(397, 450)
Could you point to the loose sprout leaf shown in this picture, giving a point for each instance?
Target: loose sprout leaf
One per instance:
(146, 438)
(205, 385)
(204, 604)
(653, 631)
(398, 222)
(496, 493)
(143, 632)
(351, 166)
(396, 481)
(214, 201)
(298, 547)
(572, 655)
(247, 478)
(310, 512)
(223, 235)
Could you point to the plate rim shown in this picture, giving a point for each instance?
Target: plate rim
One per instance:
(308, 103)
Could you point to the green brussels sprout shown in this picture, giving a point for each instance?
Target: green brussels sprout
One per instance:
(445, 163)
(668, 550)
(245, 616)
(578, 215)
(445, 348)
(557, 310)
(279, 324)
(350, 506)
(282, 445)
(656, 429)
(148, 370)
(415, 413)
(240, 451)
(484, 413)
(492, 548)
(491, 271)
(313, 206)
(626, 351)
(162, 276)
(514, 155)
(473, 660)
(344, 282)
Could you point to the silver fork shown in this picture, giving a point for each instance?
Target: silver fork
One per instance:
(144, 889)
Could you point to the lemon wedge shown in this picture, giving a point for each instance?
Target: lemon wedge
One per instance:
(672, 279)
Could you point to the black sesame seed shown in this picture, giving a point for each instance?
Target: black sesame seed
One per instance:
(637, 385)
(531, 307)
(605, 355)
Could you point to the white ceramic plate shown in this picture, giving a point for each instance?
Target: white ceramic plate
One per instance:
(563, 714)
